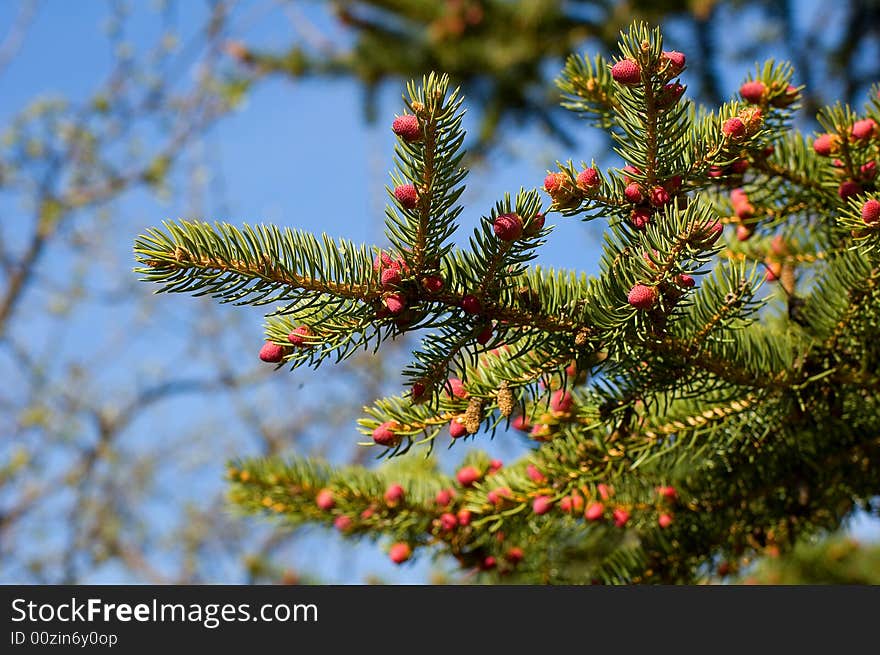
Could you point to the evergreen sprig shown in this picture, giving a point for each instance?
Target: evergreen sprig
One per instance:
(710, 394)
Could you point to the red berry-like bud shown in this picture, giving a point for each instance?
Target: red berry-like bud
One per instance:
(521, 423)
(744, 210)
(394, 494)
(848, 188)
(471, 304)
(630, 170)
(826, 144)
(484, 335)
(342, 523)
(734, 128)
(774, 270)
(407, 127)
(488, 563)
(382, 260)
(540, 432)
(508, 227)
(390, 277)
(633, 193)
(669, 95)
(715, 171)
(324, 500)
(676, 61)
(395, 303)
(640, 217)
(467, 475)
(685, 280)
(534, 474)
(535, 226)
(400, 552)
(604, 490)
(626, 72)
(407, 196)
(464, 517)
(384, 434)
(588, 179)
(659, 196)
(418, 390)
(864, 130)
(495, 465)
(561, 401)
(871, 212)
(298, 336)
(554, 182)
(444, 497)
(497, 496)
(642, 296)
(514, 555)
(753, 91)
(667, 492)
(455, 388)
(541, 504)
(594, 511)
(432, 283)
(271, 352)
(868, 171)
(738, 197)
(457, 429)
(744, 232)
(739, 167)
(664, 520)
(621, 516)
(573, 503)
(368, 513)
(448, 522)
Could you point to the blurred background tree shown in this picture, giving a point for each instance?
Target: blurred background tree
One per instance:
(116, 114)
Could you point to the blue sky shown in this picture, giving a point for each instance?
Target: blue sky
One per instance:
(294, 153)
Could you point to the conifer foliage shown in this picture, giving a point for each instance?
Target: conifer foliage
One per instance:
(710, 395)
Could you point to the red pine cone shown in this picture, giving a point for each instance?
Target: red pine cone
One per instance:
(342, 523)
(664, 520)
(633, 193)
(471, 304)
(848, 188)
(457, 429)
(753, 91)
(588, 179)
(541, 504)
(400, 552)
(455, 388)
(594, 511)
(407, 196)
(432, 283)
(676, 61)
(407, 127)
(734, 128)
(448, 522)
(621, 516)
(271, 352)
(534, 474)
(864, 130)
(394, 494)
(871, 211)
(561, 401)
(384, 434)
(390, 277)
(642, 296)
(467, 475)
(626, 72)
(825, 144)
(508, 227)
(325, 500)
(298, 336)
(535, 226)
